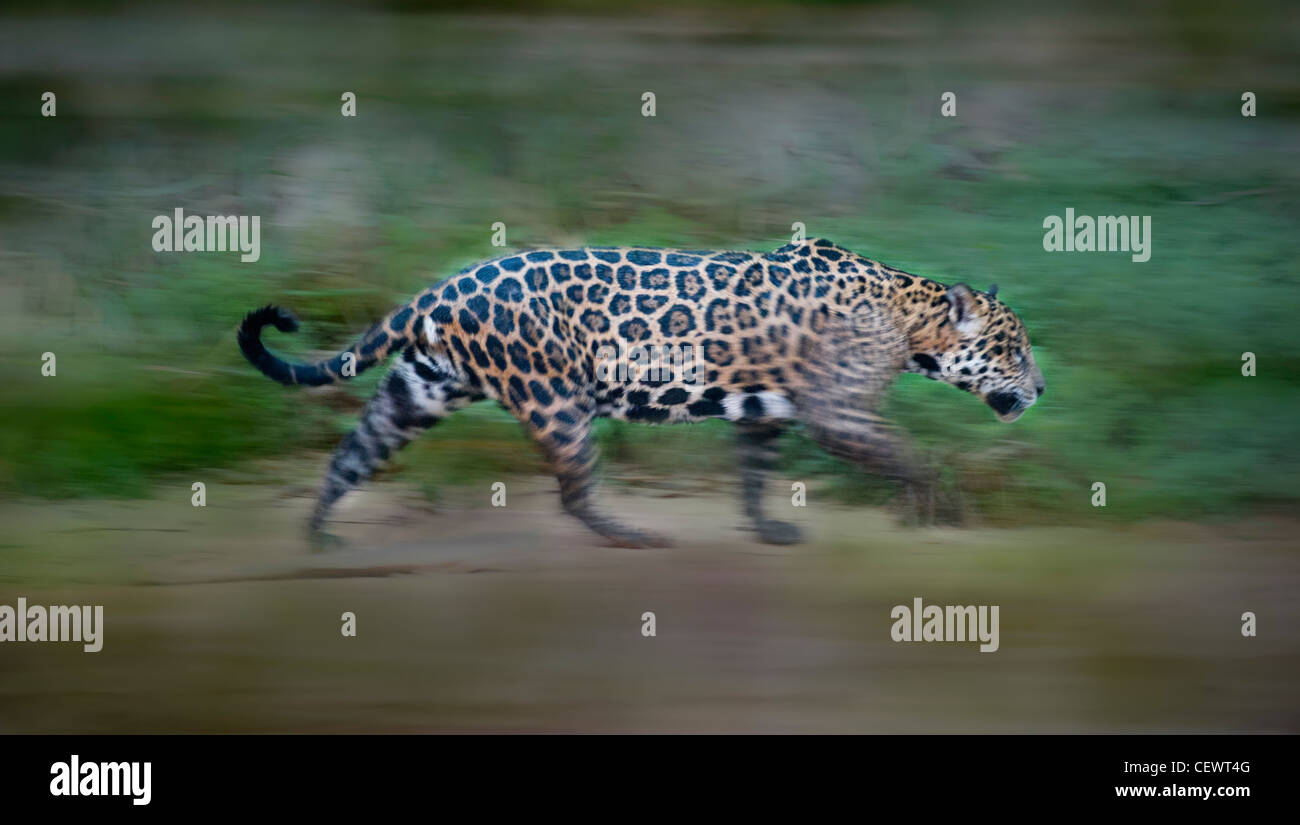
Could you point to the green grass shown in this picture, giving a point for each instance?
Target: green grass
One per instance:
(1142, 360)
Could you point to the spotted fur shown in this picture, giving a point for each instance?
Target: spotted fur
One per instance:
(810, 331)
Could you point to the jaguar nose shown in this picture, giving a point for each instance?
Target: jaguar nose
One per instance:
(1040, 389)
(1003, 402)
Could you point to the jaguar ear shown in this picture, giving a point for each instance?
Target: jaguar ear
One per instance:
(993, 291)
(961, 308)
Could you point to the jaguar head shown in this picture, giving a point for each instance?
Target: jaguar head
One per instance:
(976, 343)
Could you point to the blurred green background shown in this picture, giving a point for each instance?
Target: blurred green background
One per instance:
(767, 114)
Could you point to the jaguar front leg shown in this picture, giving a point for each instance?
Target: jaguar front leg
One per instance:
(876, 446)
(758, 450)
(859, 358)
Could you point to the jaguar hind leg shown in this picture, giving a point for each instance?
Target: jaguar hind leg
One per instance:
(415, 395)
(566, 439)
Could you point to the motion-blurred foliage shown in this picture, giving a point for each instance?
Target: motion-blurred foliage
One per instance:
(826, 114)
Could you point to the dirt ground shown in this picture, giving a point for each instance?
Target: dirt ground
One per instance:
(475, 618)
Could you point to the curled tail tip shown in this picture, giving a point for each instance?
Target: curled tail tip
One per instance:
(278, 317)
(250, 343)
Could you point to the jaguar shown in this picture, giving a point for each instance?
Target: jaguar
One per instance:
(810, 332)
